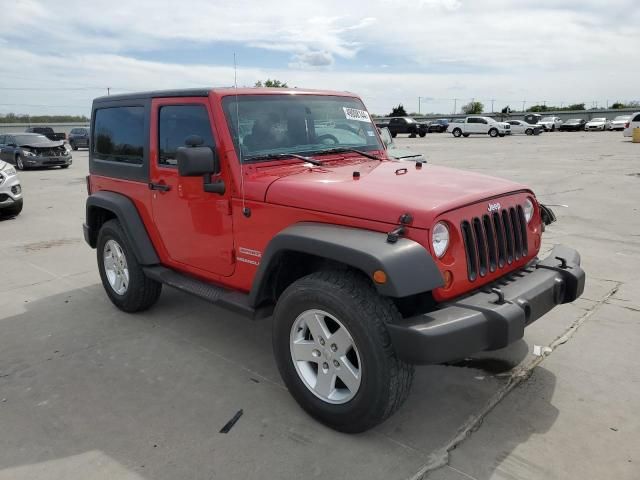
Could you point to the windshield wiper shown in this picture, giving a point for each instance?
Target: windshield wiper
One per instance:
(346, 150)
(284, 155)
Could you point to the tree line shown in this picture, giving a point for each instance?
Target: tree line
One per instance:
(23, 118)
(476, 108)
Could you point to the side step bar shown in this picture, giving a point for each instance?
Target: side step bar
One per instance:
(232, 300)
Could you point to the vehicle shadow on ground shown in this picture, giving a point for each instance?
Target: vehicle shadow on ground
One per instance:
(151, 392)
(492, 451)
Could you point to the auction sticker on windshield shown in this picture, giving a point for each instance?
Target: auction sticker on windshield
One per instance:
(355, 114)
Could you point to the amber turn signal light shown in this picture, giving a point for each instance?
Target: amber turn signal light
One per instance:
(448, 278)
(379, 277)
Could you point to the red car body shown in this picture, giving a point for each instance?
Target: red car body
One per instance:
(191, 236)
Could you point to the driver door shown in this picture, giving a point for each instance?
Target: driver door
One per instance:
(195, 226)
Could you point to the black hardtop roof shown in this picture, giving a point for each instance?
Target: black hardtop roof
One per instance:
(187, 92)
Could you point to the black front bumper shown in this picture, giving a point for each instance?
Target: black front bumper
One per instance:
(492, 317)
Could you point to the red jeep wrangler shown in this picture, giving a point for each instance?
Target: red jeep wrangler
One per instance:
(283, 202)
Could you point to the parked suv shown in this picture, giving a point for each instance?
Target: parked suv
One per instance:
(264, 202)
(480, 126)
(79, 137)
(10, 191)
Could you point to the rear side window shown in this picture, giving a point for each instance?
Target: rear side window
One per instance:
(176, 123)
(119, 134)
(637, 119)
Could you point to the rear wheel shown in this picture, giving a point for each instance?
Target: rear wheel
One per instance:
(394, 134)
(64, 166)
(334, 353)
(457, 132)
(122, 276)
(493, 132)
(553, 128)
(423, 134)
(528, 131)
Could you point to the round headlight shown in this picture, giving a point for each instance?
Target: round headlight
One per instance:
(440, 239)
(528, 210)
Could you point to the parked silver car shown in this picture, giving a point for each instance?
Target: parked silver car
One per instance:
(28, 150)
(10, 191)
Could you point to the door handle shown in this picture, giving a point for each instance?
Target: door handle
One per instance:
(163, 187)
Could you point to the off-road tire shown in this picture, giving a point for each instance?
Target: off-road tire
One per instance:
(142, 291)
(12, 211)
(457, 132)
(351, 298)
(493, 132)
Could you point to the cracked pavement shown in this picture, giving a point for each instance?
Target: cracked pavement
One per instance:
(87, 391)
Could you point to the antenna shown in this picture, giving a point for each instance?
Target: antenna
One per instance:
(245, 211)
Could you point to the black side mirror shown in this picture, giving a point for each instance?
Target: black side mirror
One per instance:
(196, 161)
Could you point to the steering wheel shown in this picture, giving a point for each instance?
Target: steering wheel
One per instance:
(327, 136)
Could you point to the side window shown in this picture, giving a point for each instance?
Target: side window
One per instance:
(176, 123)
(472, 120)
(637, 118)
(482, 120)
(119, 134)
(394, 121)
(1, 139)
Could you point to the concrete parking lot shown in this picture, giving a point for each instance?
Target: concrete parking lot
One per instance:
(87, 391)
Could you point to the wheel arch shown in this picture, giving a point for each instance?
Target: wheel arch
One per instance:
(104, 206)
(303, 248)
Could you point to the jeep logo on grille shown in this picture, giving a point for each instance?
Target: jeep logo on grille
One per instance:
(493, 207)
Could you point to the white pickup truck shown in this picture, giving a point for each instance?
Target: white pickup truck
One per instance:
(479, 126)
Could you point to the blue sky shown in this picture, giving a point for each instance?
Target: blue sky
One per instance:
(388, 51)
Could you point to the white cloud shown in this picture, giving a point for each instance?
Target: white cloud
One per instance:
(572, 51)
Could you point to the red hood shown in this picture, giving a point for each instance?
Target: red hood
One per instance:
(384, 192)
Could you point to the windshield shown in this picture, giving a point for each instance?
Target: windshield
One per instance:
(31, 139)
(548, 119)
(599, 120)
(302, 124)
(623, 118)
(574, 120)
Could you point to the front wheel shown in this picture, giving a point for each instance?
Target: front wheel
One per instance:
(457, 132)
(122, 276)
(73, 146)
(493, 132)
(333, 350)
(20, 163)
(528, 131)
(12, 211)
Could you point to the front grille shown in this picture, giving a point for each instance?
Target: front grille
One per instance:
(51, 152)
(494, 241)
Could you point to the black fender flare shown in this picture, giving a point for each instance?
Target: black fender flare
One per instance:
(409, 266)
(127, 214)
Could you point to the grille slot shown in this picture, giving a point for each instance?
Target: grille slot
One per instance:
(469, 246)
(493, 241)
